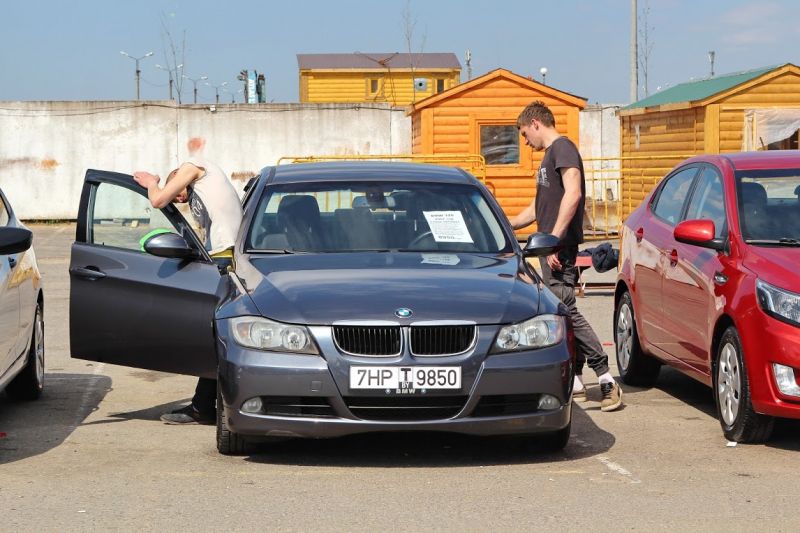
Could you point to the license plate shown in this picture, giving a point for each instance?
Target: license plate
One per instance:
(405, 377)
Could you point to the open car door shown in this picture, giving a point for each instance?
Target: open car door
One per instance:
(131, 308)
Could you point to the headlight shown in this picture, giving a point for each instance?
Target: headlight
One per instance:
(781, 304)
(264, 334)
(538, 332)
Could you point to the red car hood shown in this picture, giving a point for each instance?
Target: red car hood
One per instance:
(777, 265)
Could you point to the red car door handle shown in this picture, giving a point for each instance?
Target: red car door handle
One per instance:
(673, 257)
(639, 234)
(90, 273)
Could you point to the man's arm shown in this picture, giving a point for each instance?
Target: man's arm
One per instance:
(571, 178)
(159, 197)
(526, 217)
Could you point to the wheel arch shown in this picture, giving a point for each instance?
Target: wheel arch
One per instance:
(723, 322)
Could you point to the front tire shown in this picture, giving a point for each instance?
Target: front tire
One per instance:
(29, 384)
(739, 421)
(228, 442)
(635, 367)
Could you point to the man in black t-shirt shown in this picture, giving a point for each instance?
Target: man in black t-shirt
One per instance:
(558, 209)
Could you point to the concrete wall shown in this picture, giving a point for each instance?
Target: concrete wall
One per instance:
(599, 139)
(46, 147)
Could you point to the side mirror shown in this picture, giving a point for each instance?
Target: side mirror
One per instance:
(540, 244)
(698, 233)
(15, 240)
(169, 245)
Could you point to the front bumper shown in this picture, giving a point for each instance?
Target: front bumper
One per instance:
(767, 340)
(309, 395)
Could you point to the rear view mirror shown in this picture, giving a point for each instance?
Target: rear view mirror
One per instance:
(15, 240)
(169, 245)
(541, 244)
(699, 233)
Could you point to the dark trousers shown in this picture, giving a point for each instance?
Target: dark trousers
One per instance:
(205, 394)
(562, 284)
(205, 397)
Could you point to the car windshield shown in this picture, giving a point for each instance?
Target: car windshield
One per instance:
(375, 216)
(769, 206)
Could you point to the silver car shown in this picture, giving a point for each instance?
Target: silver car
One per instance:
(21, 310)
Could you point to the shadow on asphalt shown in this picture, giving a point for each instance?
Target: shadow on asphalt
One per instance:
(34, 428)
(434, 450)
(152, 414)
(786, 435)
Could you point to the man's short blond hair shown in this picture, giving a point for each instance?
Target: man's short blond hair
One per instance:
(536, 110)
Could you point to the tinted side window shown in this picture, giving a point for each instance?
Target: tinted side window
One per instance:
(708, 201)
(673, 194)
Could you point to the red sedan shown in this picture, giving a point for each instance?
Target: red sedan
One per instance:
(709, 283)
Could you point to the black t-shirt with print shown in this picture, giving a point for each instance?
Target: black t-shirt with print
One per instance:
(561, 155)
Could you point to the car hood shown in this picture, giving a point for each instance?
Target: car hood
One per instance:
(777, 265)
(320, 289)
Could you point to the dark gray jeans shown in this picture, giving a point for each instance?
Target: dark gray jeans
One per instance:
(562, 283)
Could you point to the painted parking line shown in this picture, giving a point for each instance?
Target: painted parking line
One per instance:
(617, 468)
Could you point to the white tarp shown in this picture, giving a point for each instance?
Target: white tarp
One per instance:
(765, 126)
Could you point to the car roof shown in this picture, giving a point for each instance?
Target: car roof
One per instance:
(753, 160)
(369, 171)
(764, 159)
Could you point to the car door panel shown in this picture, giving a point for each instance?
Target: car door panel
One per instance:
(691, 305)
(9, 315)
(131, 308)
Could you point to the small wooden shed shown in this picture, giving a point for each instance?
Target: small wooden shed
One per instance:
(399, 79)
(480, 117)
(753, 110)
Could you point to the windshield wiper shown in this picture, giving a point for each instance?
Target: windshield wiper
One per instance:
(783, 241)
(271, 251)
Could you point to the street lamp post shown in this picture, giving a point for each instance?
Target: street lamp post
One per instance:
(217, 88)
(169, 71)
(194, 81)
(138, 72)
(543, 72)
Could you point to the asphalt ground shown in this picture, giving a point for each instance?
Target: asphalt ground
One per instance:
(91, 454)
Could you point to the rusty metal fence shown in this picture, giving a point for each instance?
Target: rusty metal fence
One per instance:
(615, 186)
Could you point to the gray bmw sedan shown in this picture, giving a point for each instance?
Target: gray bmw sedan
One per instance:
(363, 297)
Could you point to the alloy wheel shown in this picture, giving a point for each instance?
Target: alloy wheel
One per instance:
(729, 384)
(38, 339)
(624, 336)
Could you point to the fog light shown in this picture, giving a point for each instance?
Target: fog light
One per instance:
(548, 402)
(253, 405)
(786, 380)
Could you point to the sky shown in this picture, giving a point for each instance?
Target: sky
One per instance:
(70, 50)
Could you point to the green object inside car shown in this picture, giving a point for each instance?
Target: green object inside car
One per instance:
(153, 233)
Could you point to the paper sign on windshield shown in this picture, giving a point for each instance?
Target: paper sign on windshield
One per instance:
(447, 226)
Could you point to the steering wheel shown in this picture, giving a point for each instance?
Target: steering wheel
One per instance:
(419, 238)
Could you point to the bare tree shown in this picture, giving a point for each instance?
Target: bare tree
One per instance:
(646, 46)
(174, 55)
(409, 25)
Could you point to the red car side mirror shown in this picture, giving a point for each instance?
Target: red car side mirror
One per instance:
(699, 233)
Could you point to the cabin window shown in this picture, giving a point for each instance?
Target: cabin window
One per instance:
(374, 87)
(500, 144)
(439, 85)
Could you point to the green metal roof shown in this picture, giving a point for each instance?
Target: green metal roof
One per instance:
(693, 91)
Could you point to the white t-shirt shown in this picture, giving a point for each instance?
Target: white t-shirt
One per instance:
(215, 206)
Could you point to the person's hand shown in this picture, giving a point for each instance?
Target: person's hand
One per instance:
(553, 262)
(145, 179)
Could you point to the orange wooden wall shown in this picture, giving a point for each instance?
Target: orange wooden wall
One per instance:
(452, 125)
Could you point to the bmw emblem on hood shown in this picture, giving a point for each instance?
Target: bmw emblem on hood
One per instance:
(403, 312)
